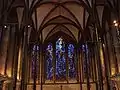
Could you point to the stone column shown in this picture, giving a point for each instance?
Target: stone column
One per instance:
(16, 53)
(10, 52)
(3, 49)
(24, 60)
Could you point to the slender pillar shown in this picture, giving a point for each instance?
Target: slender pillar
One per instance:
(95, 66)
(67, 63)
(16, 52)
(6, 61)
(76, 60)
(42, 66)
(54, 62)
(10, 52)
(107, 53)
(100, 78)
(24, 60)
(3, 49)
(38, 64)
(107, 74)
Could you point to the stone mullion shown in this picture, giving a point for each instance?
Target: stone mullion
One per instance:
(39, 64)
(82, 66)
(54, 62)
(79, 66)
(42, 66)
(76, 60)
(67, 63)
(40, 55)
(43, 62)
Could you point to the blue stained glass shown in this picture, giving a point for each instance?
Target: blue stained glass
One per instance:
(33, 60)
(49, 61)
(59, 68)
(71, 61)
(35, 50)
(60, 60)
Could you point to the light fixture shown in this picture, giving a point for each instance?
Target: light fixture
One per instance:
(28, 26)
(5, 26)
(114, 21)
(103, 45)
(117, 25)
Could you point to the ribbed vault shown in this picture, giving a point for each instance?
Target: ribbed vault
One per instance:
(60, 16)
(72, 14)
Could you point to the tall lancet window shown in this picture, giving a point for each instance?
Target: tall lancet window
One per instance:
(35, 61)
(71, 61)
(60, 60)
(49, 62)
(60, 63)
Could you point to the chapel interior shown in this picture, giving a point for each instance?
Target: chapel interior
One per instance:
(59, 44)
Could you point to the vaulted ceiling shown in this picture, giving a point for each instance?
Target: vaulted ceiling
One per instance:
(54, 18)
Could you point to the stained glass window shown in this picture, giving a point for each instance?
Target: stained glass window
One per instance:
(71, 61)
(60, 59)
(56, 62)
(84, 60)
(35, 60)
(49, 62)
